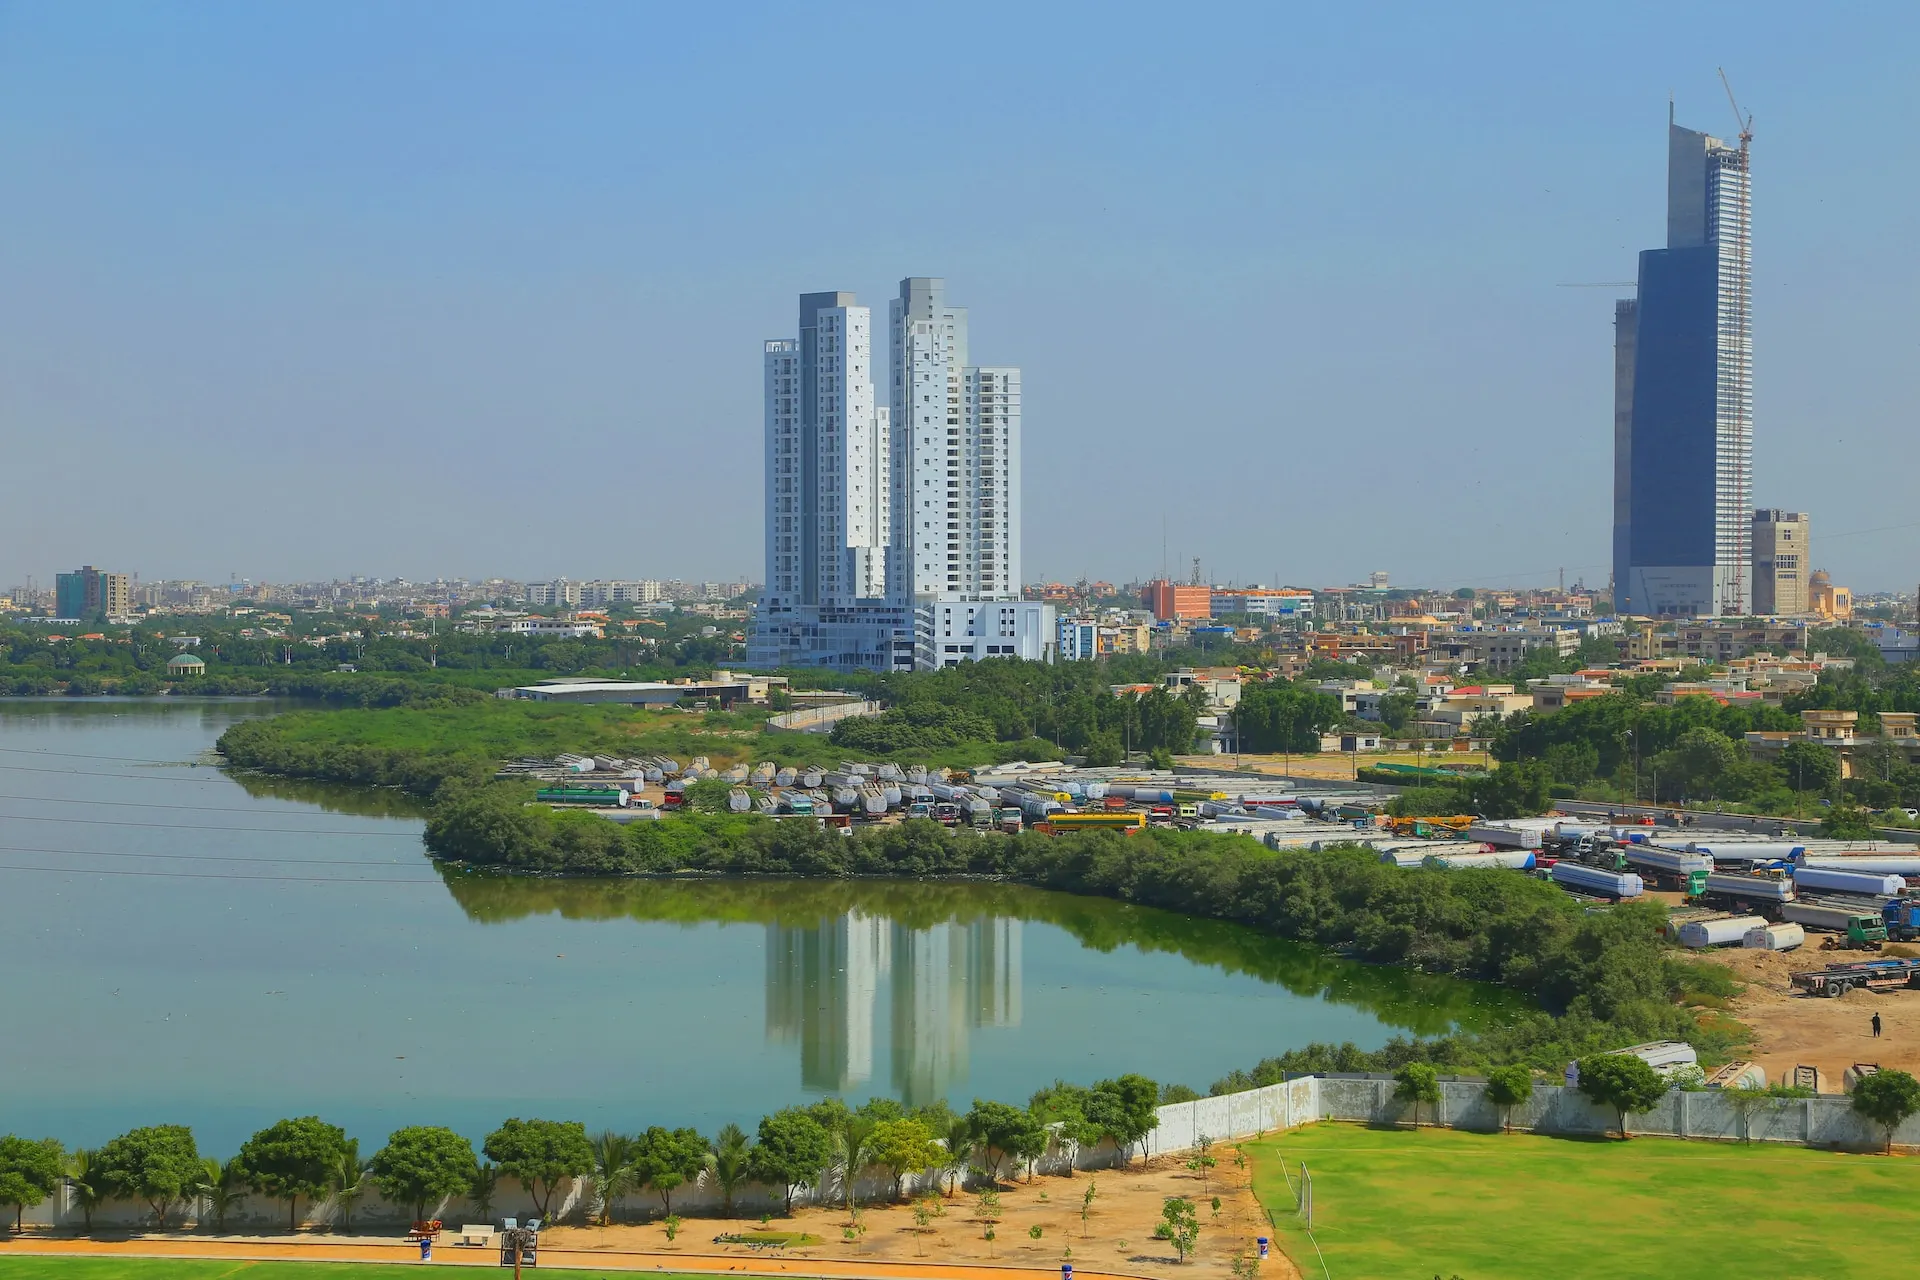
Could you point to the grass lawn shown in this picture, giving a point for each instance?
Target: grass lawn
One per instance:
(1439, 1202)
(43, 1268)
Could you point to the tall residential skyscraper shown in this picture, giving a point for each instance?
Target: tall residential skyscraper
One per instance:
(829, 495)
(956, 447)
(1683, 396)
(890, 529)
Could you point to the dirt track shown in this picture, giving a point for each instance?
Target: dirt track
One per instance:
(1830, 1034)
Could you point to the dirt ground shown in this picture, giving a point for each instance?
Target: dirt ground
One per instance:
(1829, 1033)
(1117, 1237)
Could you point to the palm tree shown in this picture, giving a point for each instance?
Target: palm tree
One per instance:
(959, 1137)
(222, 1188)
(88, 1194)
(613, 1172)
(349, 1181)
(728, 1160)
(853, 1150)
(486, 1180)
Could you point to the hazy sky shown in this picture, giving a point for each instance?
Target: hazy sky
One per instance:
(306, 289)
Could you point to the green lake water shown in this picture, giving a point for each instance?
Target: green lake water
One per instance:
(185, 947)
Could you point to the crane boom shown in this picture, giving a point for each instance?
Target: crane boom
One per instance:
(1743, 122)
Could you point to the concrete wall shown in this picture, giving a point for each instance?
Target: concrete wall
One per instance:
(820, 719)
(1825, 1121)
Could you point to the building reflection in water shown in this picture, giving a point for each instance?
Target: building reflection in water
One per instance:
(823, 991)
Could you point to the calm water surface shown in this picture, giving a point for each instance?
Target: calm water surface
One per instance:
(185, 947)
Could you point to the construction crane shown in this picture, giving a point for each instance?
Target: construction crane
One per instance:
(1743, 122)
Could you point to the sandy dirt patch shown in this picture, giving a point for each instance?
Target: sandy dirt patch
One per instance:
(1117, 1236)
(1828, 1033)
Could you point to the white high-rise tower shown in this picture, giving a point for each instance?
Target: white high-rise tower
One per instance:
(956, 449)
(893, 533)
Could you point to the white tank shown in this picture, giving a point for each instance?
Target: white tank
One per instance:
(1745, 851)
(1517, 859)
(1774, 937)
(1614, 884)
(1728, 931)
(1824, 876)
(1897, 864)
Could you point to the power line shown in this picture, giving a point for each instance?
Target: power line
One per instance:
(187, 826)
(211, 775)
(195, 808)
(194, 857)
(77, 755)
(198, 875)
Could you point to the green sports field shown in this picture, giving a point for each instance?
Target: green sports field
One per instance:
(1390, 1204)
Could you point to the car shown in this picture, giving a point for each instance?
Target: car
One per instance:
(1905, 815)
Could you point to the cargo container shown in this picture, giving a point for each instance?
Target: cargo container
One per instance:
(1774, 937)
(1831, 879)
(1610, 884)
(1727, 931)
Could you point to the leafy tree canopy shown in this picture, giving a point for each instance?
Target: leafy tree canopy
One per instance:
(422, 1164)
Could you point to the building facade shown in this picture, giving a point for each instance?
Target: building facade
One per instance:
(89, 593)
(1781, 545)
(879, 516)
(1683, 396)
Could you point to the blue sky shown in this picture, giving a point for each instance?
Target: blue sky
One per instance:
(411, 288)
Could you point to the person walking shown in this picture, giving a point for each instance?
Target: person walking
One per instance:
(1876, 1025)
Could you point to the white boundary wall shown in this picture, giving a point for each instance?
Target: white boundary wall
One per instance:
(1825, 1121)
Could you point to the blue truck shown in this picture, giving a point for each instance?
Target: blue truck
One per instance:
(1902, 916)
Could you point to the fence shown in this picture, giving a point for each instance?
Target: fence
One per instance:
(1825, 1121)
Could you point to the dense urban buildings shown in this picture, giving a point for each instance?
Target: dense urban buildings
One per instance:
(892, 532)
(1683, 396)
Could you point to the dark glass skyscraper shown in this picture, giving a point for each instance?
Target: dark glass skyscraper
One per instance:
(1683, 396)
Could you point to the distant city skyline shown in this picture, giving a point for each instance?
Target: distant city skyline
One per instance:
(273, 304)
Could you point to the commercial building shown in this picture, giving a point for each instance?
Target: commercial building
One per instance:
(1683, 396)
(954, 631)
(1780, 564)
(1175, 602)
(89, 593)
(1275, 604)
(886, 523)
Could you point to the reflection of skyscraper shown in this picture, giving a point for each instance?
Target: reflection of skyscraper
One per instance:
(822, 986)
(950, 979)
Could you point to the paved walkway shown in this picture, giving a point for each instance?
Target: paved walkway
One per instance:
(400, 1252)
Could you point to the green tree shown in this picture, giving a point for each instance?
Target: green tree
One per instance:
(348, 1181)
(667, 1159)
(792, 1151)
(708, 795)
(1002, 1132)
(1887, 1098)
(425, 1164)
(1694, 765)
(83, 1184)
(484, 1185)
(157, 1164)
(1417, 1082)
(730, 1159)
(222, 1188)
(613, 1170)
(1124, 1111)
(1623, 1082)
(1509, 1087)
(30, 1171)
(904, 1146)
(1847, 821)
(541, 1154)
(1179, 1225)
(293, 1158)
(1810, 767)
